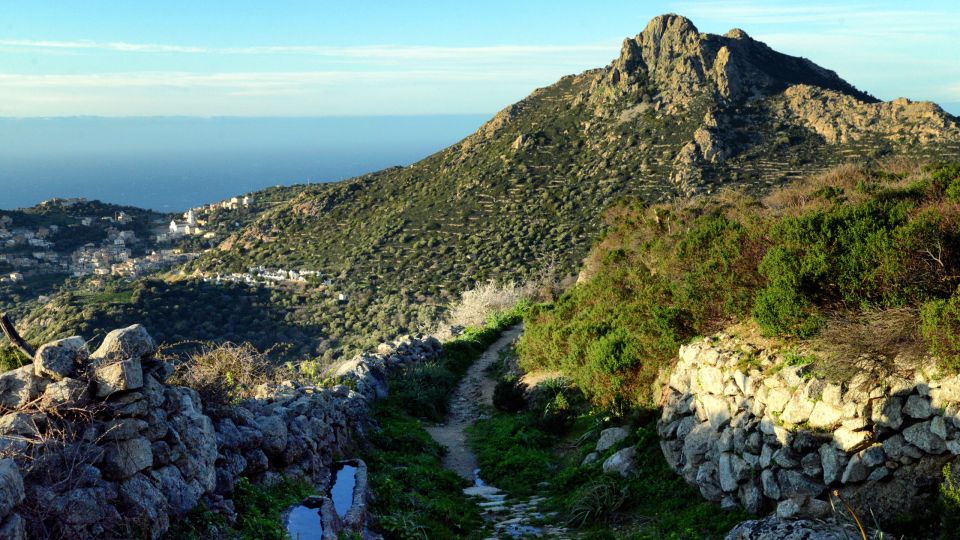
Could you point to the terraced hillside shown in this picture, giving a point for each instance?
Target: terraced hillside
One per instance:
(677, 114)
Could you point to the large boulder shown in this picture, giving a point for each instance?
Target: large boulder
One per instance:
(274, 431)
(623, 462)
(921, 436)
(370, 377)
(82, 507)
(67, 393)
(59, 359)
(18, 424)
(181, 495)
(13, 528)
(125, 458)
(125, 343)
(610, 437)
(142, 500)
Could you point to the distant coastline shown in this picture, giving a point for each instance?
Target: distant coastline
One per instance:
(170, 164)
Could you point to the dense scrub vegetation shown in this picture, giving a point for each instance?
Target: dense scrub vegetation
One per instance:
(175, 312)
(855, 240)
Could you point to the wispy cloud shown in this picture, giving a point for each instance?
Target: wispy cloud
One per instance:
(280, 79)
(411, 52)
(862, 15)
(266, 94)
(240, 80)
(952, 92)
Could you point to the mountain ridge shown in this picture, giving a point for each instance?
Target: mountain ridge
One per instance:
(671, 116)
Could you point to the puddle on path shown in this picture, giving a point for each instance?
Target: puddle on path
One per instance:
(304, 522)
(342, 490)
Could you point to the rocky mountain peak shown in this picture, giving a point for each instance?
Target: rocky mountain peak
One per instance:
(684, 63)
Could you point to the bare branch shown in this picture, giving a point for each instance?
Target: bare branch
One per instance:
(14, 337)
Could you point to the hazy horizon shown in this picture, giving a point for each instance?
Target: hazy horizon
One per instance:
(173, 163)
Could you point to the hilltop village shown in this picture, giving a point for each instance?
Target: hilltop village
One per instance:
(118, 247)
(43, 247)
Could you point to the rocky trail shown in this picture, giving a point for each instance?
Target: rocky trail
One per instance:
(509, 517)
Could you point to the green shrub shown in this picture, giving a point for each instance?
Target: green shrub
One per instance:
(557, 416)
(612, 353)
(940, 325)
(424, 390)
(664, 274)
(950, 502)
(553, 404)
(11, 358)
(946, 178)
(598, 500)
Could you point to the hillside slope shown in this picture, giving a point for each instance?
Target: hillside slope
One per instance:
(678, 113)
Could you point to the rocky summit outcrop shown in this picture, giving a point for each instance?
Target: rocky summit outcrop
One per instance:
(748, 428)
(841, 118)
(693, 73)
(686, 63)
(98, 445)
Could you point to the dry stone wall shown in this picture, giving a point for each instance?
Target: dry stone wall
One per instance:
(98, 445)
(748, 429)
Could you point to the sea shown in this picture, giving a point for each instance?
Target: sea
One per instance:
(170, 164)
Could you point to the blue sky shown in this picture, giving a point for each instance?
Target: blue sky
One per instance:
(321, 58)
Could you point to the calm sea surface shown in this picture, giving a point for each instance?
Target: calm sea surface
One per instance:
(170, 164)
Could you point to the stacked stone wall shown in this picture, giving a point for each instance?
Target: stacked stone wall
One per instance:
(99, 445)
(749, 429)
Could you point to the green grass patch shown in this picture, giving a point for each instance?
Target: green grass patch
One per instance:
(415, 496)
(655, 503)
(513, 453)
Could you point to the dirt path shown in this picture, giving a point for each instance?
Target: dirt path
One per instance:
(508, 517)
(475, 389)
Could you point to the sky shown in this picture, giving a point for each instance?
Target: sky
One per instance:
(415, 57)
